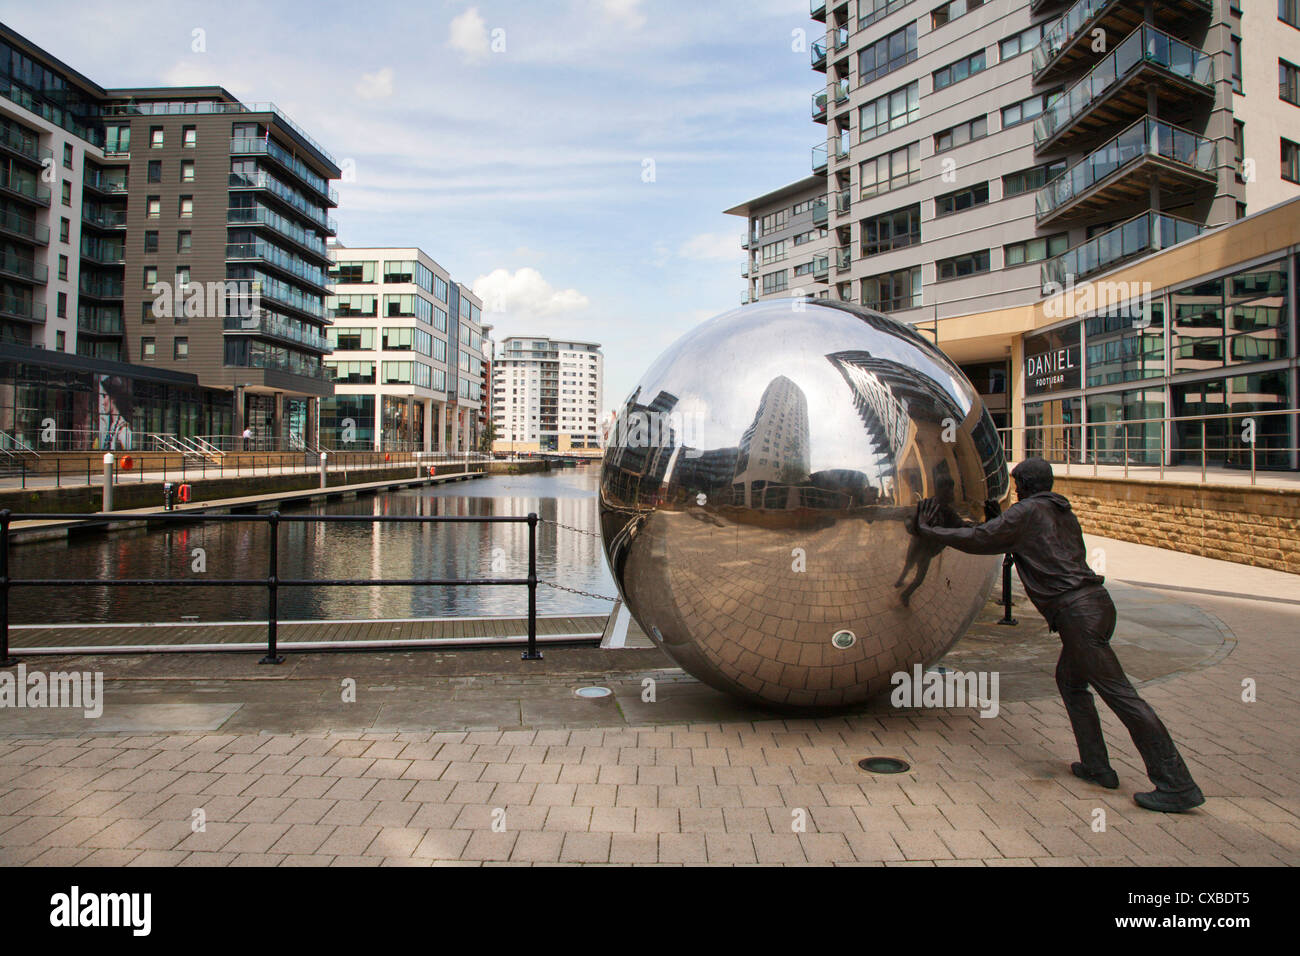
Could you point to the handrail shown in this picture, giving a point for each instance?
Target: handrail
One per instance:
(272, 581)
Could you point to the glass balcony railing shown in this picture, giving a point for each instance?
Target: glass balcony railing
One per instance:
(23, 143)
(817, 9)
(279, 328)
(261, 215)
(104, 218)
(268, 147)
(819, 157)
(277, 257)
(105, 253)
(1071, 26)
(11, 264)
(843, 201)
(99, 321)
(819, 105)
(843, 258)
(1146, 233)
(24, 186)
(1146, 137)
(285, 294)
(838, 38)
(1145, 45)
(18, 225)
(264, 180)
(100, 286)
(819, 54)
(105, 184)
(819, 215)
(842, 91)
(21, 308)
(821, 265)
(843, 144)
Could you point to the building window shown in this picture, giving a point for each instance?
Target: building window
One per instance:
(352, 273)
(186, 207)
(893, 291)
(67, 155)
(151, 240)
(958, 267)
(181, 348)
(148, 347)
(189, 136)
(156, 137)
(890, 111)
(805, 206)
(1035, 250)
(146, 313)
(153, 207)
(951, 11)
(61, 306)
(1029, 109)
(150, 277)
(1290, 161)
(65, 227)
(187, 170)
(961, 200)
(1022, 42)
(773, 252)
(1236, 65)
(887, 54)
(1288, 11)
(775, 281)
(61, 341)
(966, 67)
(63, 267)
(182, 276)
(892, 170)
(869, 11)
(66, 190)
(893, 230)
(155, 170)
(961, 134)
(1288, 82)
(773, 222)
(184, 241)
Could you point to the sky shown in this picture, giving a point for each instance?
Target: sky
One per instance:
(568, 159)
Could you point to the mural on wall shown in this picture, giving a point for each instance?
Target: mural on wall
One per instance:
(116, 403)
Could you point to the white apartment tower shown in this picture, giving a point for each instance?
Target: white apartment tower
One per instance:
(546, 394)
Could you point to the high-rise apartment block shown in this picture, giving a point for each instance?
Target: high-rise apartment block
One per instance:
(546, 394)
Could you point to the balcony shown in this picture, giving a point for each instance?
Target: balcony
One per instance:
(819, 55)
(261, 216)
(841, 91)
(22, 309)
(819, 158)
(249, 146)
(108, 253)
(277, 257)
(276, 328)
(817, 10)
(100, 286)
(843, 258)
(105, 185)
(1141, 235)
(20, 144)
(819, 106)
(99, 321)
(263, 180)
(838, 39)
(844, 201)
(843, 145)
(821, 266)
(24, 188)
(819, 213)
(1123, 170)
(1068, 42)
(104, 218)
(20, 227)
(1114, 92)
(23, 269)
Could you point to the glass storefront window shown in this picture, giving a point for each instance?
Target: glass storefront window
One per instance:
(1234, 320)
(1117, 426)
(1124, 344)
(1052, 430)
(1224, 437)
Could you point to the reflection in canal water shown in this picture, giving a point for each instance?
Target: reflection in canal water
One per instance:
(344, 550)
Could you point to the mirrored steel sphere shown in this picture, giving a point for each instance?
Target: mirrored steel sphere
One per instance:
(758, 490)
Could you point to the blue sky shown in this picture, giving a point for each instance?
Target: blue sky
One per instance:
(512, 141)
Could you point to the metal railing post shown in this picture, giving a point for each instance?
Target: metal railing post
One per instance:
(5, 659)
(108, 482)
(1202, 451)
(1126, 452)
(1007, 619)
(1252, 460)
(532, 654)
(272, 591)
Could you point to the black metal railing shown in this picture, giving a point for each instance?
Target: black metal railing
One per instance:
(272, 581)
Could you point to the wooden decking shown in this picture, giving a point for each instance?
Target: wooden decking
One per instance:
(300, 635)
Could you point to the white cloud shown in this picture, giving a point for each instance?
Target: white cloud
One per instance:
(376, 86)
(627, 12)
(525, 293)
(469, 35)
(723, 246)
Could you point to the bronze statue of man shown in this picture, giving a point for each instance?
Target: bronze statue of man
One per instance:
(1042, 535)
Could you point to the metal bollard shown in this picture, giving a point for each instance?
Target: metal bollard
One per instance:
(1007, 619)
(108, 482)
(324, 457)
(168, 490)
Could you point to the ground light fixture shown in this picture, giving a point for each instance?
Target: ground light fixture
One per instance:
(883, 765)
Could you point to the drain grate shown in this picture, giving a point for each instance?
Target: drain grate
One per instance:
(884, 765)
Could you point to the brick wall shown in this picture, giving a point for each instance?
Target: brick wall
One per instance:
(1257, 526)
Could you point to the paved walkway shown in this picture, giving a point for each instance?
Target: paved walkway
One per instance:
(281, 772)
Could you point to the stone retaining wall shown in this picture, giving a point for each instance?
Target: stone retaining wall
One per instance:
(1256, 526)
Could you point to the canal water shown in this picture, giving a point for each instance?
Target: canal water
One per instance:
(343, 550)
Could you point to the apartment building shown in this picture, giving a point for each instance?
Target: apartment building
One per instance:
(407, 358)
(546, 394)
(787, 244)
(163, 234)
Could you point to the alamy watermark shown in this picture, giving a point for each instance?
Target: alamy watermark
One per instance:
(81, 690)
(922, 688)
(228, 298)
(1081, 298)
